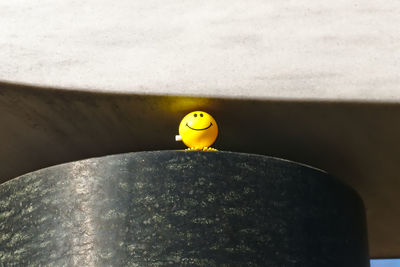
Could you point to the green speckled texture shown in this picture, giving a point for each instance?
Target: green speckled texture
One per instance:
(181, 208)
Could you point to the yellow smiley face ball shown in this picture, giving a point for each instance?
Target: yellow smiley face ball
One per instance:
(198, 129)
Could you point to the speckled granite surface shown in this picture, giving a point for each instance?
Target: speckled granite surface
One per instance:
(179, 208)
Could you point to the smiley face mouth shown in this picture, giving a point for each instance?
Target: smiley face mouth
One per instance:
(202, 129)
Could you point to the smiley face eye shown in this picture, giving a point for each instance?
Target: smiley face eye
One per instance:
(195, 115)
(201, 114)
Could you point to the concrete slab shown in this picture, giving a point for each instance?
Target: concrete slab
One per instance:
(236, 48)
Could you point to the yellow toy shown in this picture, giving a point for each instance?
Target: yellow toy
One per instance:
(198, 130)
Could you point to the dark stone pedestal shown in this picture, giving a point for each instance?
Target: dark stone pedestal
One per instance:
(181, 208)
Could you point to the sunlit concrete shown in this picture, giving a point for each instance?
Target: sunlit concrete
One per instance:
(234, 48)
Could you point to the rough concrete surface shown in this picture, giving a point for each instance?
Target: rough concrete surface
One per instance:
(236, 48)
